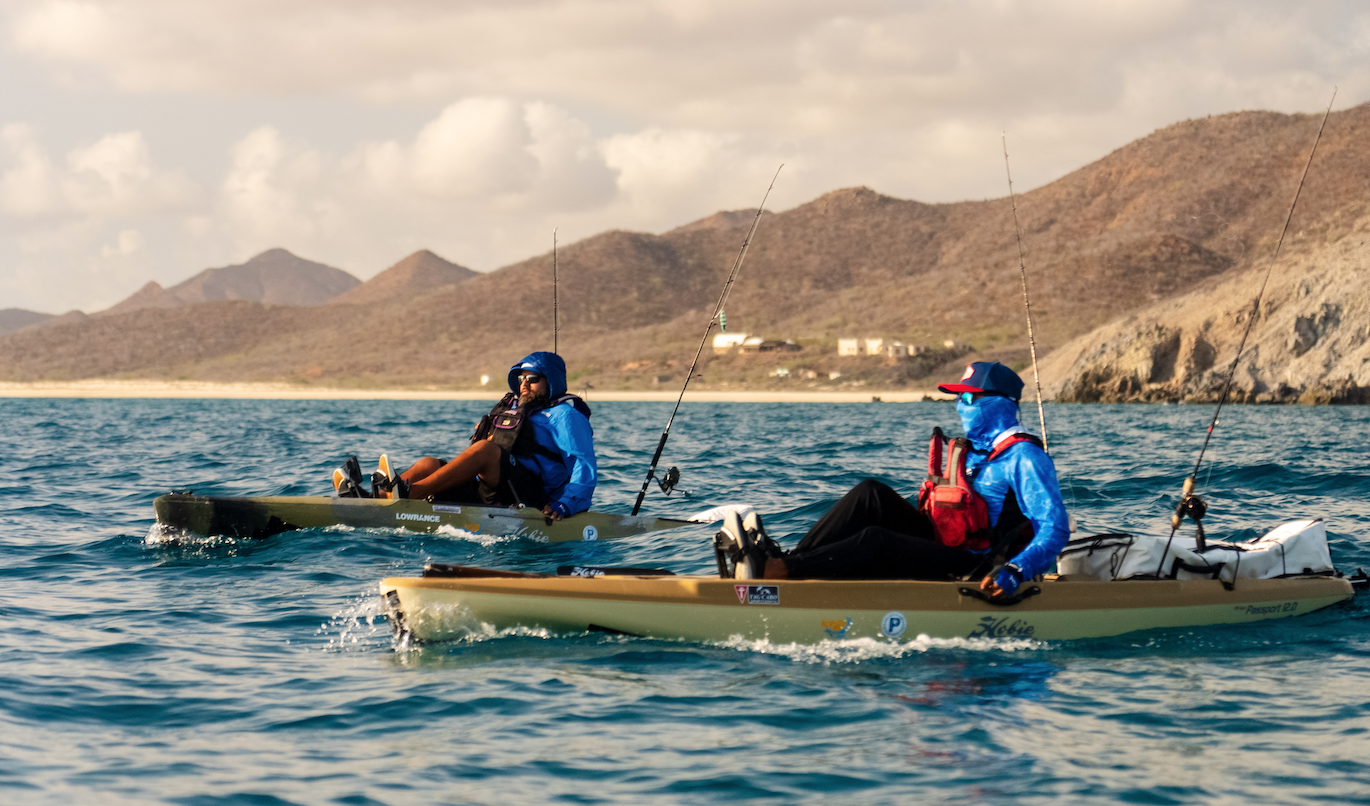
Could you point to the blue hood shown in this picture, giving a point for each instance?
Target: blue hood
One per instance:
(549, 365)
(986, 419)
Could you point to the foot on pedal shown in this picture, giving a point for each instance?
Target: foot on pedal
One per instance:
(347, 479)
(734, 543)
(751, 524)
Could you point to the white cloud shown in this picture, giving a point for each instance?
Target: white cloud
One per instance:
(113, 176)
(128, 242)
(480, 162)
(28, 186)
(595, 114)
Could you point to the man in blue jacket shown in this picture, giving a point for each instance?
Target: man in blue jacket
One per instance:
(875, 533)
(536, 448)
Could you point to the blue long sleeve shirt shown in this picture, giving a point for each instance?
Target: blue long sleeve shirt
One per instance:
(565, 429)
(1023, 469)
(570, 484)
(1028, 472)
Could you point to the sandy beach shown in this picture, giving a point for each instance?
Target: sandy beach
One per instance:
(285, 391)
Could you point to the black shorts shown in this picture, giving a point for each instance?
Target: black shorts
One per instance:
(517, 485)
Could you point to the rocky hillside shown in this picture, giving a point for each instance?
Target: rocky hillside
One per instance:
(1310, 342)
(1189, 210)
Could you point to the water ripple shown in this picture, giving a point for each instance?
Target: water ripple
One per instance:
(148, 666)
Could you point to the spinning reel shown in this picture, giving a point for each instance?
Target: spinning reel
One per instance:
(1193, 507)
(668, 482)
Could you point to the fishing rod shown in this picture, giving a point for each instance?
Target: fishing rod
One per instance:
(554, 289)
(722, 299)
(1191, 504)
(1027, 303)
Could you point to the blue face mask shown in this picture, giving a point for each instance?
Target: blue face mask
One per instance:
(986, 418)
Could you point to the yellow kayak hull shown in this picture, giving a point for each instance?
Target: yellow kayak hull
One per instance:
(809, 611)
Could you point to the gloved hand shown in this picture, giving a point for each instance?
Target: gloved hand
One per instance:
(1004, 583)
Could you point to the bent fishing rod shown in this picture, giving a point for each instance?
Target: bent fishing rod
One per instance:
(1190, 504)
(718, 309)
(1027, 303)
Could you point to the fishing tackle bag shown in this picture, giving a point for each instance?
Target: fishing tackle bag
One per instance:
(1297, 548)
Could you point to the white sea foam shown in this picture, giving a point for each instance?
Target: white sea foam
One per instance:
(361, 622)
(161, 535)
(447, 530)
(856, 650)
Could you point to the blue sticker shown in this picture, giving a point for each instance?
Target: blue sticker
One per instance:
(893, 624)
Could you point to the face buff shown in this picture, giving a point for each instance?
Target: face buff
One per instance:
(986, 419)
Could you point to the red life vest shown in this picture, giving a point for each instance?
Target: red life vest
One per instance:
(960, 517)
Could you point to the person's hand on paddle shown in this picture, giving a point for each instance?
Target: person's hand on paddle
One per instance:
(551, 513)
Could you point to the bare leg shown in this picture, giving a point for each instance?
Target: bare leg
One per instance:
(422, 469)
(480, 459)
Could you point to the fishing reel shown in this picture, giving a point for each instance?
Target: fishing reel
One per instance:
(1193, 507)
(668, 482)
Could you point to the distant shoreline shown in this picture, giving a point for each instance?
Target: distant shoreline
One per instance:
(287, 391)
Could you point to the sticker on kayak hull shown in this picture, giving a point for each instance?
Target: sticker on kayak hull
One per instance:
(415, 516)
(590, 533)
(893, 624)
(836, 629)
(758, 594)
(450, 510)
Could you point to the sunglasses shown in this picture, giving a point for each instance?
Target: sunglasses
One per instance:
(970, 397)
(530, 379)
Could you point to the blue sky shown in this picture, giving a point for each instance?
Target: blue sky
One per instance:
(150, 139)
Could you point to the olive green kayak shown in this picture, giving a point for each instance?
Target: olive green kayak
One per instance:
(266, 516)
(452, 601)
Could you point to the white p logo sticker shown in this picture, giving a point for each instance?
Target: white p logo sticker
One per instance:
(590, 533)
(893, 624)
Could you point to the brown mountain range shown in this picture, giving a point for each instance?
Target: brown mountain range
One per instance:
(419, 273)
(12, 319)
(275, 277)
(1172, 213)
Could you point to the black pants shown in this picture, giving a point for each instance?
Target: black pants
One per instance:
(874, 533)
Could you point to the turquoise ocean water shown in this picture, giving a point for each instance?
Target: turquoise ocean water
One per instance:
(140, 669)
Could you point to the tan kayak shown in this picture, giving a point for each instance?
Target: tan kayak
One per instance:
(266, 516)
(434, 607)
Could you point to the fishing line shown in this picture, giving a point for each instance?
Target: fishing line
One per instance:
(718, 309)
(1027, 303)
(1189, 504)
(555, 326)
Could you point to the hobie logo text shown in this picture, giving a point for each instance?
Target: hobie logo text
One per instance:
(991, 627)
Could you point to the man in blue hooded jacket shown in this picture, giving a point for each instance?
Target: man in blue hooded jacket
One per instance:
(875, 533)
(543, 457)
